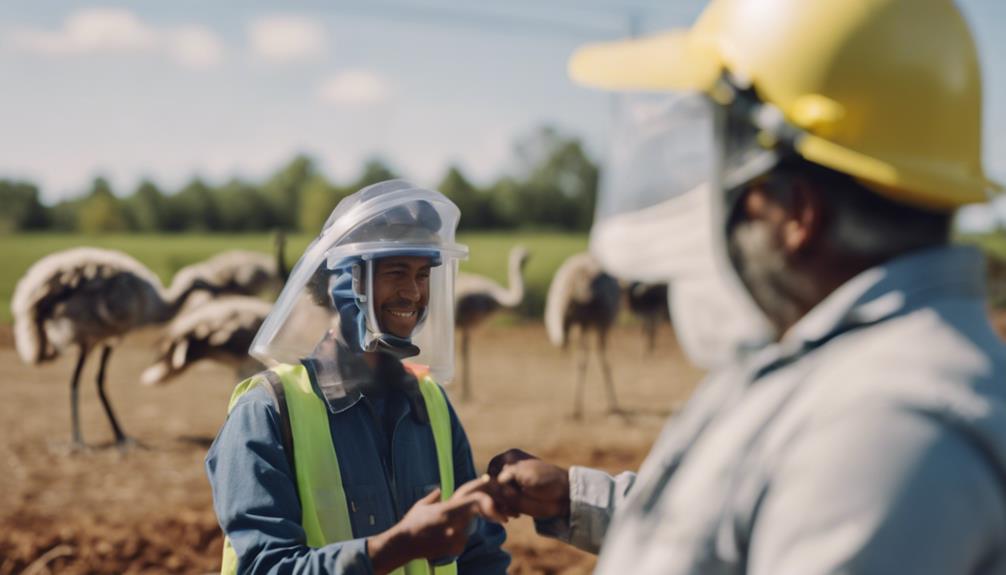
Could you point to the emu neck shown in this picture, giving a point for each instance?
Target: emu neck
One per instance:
(281, 269)
(170, 308)
(515, 283)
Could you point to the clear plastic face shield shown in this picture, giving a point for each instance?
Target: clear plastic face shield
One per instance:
(660, 218)
(334, 294)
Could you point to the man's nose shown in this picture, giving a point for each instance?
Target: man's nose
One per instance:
(409, 291)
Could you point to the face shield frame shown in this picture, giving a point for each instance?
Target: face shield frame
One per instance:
(374, 334)
(306, 311)
(681, 237)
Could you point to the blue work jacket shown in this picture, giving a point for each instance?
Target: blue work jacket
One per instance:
(388, 461)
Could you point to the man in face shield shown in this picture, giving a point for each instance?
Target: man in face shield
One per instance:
(870, 435)
(345, 456)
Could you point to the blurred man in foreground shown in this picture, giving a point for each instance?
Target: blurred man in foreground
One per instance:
(870, 436)
(342, 458)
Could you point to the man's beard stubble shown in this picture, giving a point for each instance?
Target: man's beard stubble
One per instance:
(762, 267)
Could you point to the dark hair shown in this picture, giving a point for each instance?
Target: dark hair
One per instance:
(864, 222)
(317, 287)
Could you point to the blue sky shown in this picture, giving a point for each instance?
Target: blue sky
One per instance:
(169, 90)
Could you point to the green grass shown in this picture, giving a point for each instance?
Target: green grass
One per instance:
(993, 243)
(489, 253)
(166, 254)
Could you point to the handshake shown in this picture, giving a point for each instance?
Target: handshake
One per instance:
(517, 483)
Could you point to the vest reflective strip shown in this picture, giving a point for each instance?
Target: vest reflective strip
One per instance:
(325, 515)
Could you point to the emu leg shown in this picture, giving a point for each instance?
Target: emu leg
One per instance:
(609, 384)
(120, 437)
(581, 376)
(77, 438)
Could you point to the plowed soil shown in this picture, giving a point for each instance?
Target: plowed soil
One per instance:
(148, 510)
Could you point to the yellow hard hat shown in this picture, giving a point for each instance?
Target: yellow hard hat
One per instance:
(887, 91)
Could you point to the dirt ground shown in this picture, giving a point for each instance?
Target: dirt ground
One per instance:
(149, 510)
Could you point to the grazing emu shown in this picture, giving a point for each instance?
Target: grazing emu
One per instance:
(236, 272)
(88, 298)
(220, 330)
(582, 295)
(477, 298)
(648, 302)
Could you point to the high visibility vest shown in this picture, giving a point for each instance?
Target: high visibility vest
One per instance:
(324, 511)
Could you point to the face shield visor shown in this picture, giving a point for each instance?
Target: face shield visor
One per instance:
(331, 293)
(661, 218)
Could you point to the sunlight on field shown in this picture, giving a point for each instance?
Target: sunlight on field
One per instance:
(166, 254)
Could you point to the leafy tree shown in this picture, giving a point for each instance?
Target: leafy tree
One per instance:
(554, 185)
(283, 190)
(317, 201)
(147, 207)
(22, 209)
(102, 212)
(374, 171)
(505, 201)
(559, 180)
(194, 208)
(474, 204)
(63, 216)
(243, 207)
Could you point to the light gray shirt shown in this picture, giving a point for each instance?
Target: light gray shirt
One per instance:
(870, 439)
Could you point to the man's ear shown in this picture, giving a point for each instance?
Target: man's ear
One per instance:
(804, 224)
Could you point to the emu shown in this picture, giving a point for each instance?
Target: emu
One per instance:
(582, 295)
(220, 330)
(88, 298)
(476, 298)
(236, 272)
(648, 302)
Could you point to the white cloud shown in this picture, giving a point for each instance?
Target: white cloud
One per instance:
(354, 87)
(981, 218)
(195, 47)
(89, 30)
(116, 30)
(285, 38)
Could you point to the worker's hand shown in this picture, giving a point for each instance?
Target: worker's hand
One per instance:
(527, 485)
(434, 529)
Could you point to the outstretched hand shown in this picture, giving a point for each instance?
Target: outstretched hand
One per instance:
(527, 485)
(432, 528)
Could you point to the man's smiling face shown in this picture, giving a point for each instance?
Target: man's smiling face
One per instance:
(401, 293)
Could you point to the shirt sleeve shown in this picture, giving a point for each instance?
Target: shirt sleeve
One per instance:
(255, 499)
(593, 498)
(881, 492)
(483, 553)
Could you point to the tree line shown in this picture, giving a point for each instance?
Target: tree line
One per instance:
(552, 184)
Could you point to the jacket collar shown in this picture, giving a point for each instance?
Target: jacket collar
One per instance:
(342, 378)
(894, 288)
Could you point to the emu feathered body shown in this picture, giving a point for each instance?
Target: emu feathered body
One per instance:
(83, 296)
(649, 303)
(583, 295)
(220, 330)
(238, 272)
(88, 298)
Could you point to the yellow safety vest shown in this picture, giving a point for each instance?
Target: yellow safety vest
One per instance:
(324, 512)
